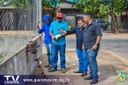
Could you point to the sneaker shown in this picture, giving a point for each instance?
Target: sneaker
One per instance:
(47, 65)
(52, 70)
(94, 82)
(63, 70)
(39, 66)
(77, 71)
(83, 74)
(88, 78)
(36, 59)
(50, 67)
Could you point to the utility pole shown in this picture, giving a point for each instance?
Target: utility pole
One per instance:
(39, 12)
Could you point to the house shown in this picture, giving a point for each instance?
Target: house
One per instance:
(70, 12)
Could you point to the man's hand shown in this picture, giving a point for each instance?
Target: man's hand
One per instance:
(53, 38)
(57, 36)
(94, 47)
(37, 26)
(63, 31)
(82, 46)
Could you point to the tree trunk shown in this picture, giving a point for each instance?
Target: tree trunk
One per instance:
(115, 23)
(54, 12)
(126, 19)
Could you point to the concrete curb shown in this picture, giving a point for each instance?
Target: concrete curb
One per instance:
(110, 52)
(116, 56)
(107, 51)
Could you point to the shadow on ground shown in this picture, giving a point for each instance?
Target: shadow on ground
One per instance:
(109, 66)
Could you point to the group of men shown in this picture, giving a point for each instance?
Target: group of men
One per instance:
(88, 37)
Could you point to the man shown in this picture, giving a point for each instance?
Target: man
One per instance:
(58, 43)
(47, 38)
(92, 37)
(79, 30)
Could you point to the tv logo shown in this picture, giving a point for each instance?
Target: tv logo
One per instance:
(11, 79)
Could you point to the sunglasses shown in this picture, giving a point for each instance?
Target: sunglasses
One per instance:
(59, 18)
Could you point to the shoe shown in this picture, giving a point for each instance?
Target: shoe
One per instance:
(77, 71)
(52, 70)
(94, 82)
(88, 78)
(36, 59)
(47, 65)
(50, 67)
(83, 74)
(63, 70)
(42, 72)
(39, 66)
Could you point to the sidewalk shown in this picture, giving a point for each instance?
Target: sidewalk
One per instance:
(114, 35)
(120, 50)
(109, 65)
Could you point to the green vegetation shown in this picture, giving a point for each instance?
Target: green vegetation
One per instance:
(104, 7)
(1, 56)
(21, 3)
(52, 4)
(17, 3)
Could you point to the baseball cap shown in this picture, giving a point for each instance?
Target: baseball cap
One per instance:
(59, 15)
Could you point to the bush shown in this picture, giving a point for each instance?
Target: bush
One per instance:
(1, 56)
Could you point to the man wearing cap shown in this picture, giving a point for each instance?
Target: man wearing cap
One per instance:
(79, 30)
(58, 43)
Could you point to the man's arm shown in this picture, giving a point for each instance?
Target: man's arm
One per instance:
(98, 40)
(71, 31)
(37, 26)
(40, 30)
(67, 32)
(51, 34)
(51, 31)
(99, 37)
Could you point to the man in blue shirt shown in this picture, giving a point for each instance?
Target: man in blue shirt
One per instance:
(79, 30)
(47, 38)
(58, 43)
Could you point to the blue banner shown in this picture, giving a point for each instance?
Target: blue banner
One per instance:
(35, 79)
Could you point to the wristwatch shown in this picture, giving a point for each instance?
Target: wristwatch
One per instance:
(96, 44)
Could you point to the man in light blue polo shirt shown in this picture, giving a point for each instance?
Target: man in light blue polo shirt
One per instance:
(58, 43)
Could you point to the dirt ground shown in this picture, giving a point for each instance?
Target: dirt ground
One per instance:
(109, 66)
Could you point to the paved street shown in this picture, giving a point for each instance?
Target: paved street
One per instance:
(115, 43)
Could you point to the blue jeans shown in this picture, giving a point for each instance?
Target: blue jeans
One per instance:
(55, 49)
(49, 52)
(82, 60)
(91, 59)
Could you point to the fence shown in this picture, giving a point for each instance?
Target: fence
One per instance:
(17, 27)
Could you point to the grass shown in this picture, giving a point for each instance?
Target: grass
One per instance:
(1, 56)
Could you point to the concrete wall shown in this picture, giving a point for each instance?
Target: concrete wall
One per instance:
(71, 20)
(21, 62)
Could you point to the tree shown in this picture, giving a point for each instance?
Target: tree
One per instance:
(126, 11)
(114, 8)
(22, 3)
(103, 8)
(52, 4)
(89, 6)
(17, 3)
